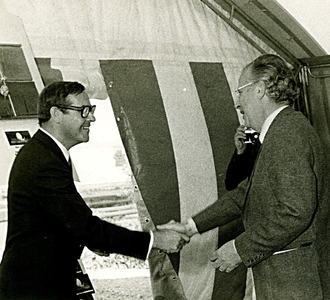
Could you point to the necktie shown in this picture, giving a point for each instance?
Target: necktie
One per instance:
(73, 170)
(69, 162)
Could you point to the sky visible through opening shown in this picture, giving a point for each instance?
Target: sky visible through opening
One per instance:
(314, 16)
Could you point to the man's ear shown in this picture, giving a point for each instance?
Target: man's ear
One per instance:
(56, 114)
(261, 89)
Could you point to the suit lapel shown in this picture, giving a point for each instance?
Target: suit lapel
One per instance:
(286, 111)
(252, 173)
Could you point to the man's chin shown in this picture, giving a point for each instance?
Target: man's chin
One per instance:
(84, 139)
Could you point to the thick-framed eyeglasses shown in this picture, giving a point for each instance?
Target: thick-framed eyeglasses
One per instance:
(85, 110)
(238, 91)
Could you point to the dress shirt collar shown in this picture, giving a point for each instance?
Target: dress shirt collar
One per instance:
(268, 122)
(63, 149)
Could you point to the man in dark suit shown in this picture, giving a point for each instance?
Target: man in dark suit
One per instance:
(285, 204)
(48, 221)
(242, 161)
(239, 169)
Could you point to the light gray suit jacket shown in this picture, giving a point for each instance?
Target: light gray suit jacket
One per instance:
(284, 206)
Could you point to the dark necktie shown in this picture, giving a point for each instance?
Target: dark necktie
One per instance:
(70, 165)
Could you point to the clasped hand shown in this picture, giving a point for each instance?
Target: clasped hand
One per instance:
(225, 258)
(171, 237)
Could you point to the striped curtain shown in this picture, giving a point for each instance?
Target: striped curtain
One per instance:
(178, 134)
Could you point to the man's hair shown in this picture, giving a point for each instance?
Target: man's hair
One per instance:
(278, 76)
(54, 94)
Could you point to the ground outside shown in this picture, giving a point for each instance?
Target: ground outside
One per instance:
(122, 287)
(116, 277)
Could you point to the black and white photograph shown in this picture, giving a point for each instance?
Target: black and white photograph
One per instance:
(165, 150)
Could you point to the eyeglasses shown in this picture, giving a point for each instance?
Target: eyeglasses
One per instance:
(238, 91)
(85, 110)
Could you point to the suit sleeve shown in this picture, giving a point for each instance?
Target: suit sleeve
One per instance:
(58, 196)
(226, 209)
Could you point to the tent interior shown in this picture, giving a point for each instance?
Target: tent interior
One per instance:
(163, 74)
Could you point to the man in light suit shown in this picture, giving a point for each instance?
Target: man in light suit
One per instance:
(285, 202)
(48, 221)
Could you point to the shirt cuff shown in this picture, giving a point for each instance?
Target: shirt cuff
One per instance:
(150, 243)
(234, 241)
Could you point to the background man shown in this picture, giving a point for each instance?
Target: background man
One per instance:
(239, 169)
(242, 161)
(48, 221)
(285, 203)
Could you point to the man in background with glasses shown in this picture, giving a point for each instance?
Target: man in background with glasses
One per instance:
(49, 223)
(284, 204)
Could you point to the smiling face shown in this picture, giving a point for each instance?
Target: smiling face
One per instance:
(74, 129)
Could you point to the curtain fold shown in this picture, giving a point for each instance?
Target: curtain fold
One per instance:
(319, 103)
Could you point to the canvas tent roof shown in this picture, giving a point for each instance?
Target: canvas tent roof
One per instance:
(75, 34)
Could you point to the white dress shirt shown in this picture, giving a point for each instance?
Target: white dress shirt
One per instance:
(63, 149)
(268, 122)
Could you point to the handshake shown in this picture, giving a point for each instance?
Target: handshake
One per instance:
(171, 237)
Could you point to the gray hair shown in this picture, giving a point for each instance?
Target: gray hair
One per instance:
(279, 78)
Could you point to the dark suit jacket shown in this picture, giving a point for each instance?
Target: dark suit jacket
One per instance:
(285, 205)
(240, 166)
(49, 224)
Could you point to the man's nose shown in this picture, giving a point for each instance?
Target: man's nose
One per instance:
(91, 117)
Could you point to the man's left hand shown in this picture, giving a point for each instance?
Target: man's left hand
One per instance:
(226, 257)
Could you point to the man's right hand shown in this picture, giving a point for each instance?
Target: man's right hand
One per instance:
(169, 241)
